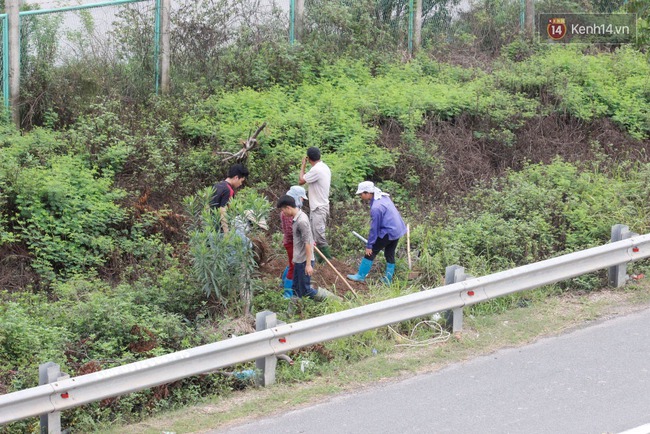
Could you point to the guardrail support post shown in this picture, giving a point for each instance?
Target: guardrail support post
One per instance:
(618, 273)
(50, 372)
(454, 274)
(266, 320)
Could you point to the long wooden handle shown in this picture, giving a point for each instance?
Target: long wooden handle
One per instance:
(337, 271)
(408, 245)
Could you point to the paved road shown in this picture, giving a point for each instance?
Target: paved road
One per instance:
(593, 380)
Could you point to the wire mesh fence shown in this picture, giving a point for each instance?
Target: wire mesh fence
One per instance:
(228, 42)
(383, 25)
(72, 54)
(110, 49)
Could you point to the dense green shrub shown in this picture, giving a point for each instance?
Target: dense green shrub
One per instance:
(588, 87)
(311, 116)
(87, 325)
(341, 113)
(26, 340)
(59, 199)
(531, 215)
(66, 215)
(18, 152)
(89, 321)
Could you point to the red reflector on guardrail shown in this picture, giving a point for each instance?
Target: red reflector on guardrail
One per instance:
(65, 395)
(470, 293)
(283, 340)
(635, 249)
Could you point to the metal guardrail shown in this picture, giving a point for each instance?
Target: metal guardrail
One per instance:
(76, 391)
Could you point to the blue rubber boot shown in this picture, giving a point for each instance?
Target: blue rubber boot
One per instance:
(284, 276)
(364, 269)
(390, 272)
(288, 291)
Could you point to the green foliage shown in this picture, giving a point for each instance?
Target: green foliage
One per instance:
(321, 115)
(16, 152)
(106, 321)
(587, 87)
(340, 114)
(224, 262)
(366, 28)
(66, 212)
(102, 138)
(490, 24)
(66, 215)
(529, 216)
(88, 325)
(642, 10)
(92, 322)
(255, 53)
(26, 340)
(150, 146)
(6, 236)
(57, 194)
(172, 290)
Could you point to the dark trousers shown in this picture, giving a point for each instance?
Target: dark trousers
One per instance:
(301, 282)
(384, 243)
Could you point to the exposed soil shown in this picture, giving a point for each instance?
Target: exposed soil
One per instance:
(453, 159)
(16, 272)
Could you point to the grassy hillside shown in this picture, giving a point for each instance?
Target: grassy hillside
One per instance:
(492, 167)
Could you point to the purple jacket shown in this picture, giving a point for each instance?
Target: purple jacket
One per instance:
(384, 220)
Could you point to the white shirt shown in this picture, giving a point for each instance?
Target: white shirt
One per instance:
(318, 180)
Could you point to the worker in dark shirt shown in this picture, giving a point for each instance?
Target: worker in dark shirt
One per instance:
(225, 190)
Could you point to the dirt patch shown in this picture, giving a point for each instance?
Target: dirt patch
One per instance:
(324, 276)
(452, 158)
(16, 272)
(145, 340)
(273, 268)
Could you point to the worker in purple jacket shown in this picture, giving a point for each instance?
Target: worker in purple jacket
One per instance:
(386, 228)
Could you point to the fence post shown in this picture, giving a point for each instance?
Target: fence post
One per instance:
(417, 31)
(266, 320)
(165, 46)
(618, 273)
(529, 23)
(292, 21)
(5, 66)
(13, 14)
(455, 274)
(48, 373)
(299, 18)
(410, 28)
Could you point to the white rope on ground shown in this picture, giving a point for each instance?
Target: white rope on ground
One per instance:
(442, 335)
